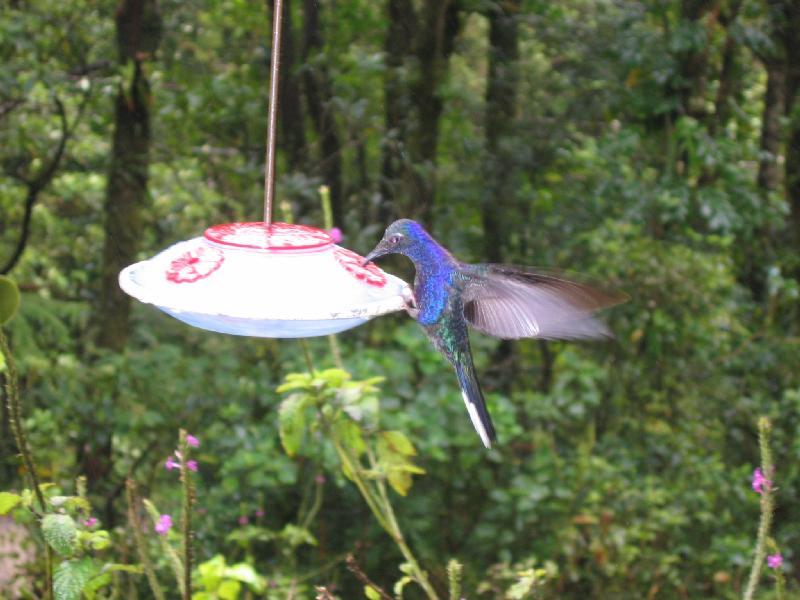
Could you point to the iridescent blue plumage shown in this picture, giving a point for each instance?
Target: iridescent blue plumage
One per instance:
(503, 301)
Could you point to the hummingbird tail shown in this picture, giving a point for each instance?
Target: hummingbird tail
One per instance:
(476, 405)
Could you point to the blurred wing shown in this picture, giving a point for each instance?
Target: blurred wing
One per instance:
(512, 302)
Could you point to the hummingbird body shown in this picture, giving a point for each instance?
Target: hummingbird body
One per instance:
(503, 301)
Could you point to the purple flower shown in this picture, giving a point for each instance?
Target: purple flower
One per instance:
(760, 483)
(260, 513)
(336, 234)
(171, 464)
(90, 522)
(164, 524)
(774, 561)
(191, 465)
(192, 441)
(243, 520)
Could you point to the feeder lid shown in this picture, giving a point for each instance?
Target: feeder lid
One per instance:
(265, 280)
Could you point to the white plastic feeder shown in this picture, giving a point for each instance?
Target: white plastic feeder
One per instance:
(277, 280)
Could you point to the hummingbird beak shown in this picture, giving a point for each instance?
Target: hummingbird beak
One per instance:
(376, 252)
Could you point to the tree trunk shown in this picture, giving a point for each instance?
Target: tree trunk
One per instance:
(499, 167)
(730, 77)
(768, 171)
(290, 110)
(397, 48)
(438, 27)
(789, 25)
(693, 63)
(421, 43)
(319, 93)
(138, 36)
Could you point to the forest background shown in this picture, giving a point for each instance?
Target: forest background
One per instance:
(651, 145)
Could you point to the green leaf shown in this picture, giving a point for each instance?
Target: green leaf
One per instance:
(71, 502)
(92, 587)
(398, 587)
(8, 502)
(9, 299)
(246, 574)
(397, 442)
(229, 590)
(71, 576)
(370, 593)
(349, 433)
(400, 481)
(292, 422)
(60, 532)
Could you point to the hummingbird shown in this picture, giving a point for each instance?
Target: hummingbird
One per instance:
(503, 301)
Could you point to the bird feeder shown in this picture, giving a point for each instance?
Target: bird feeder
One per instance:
(265, 280)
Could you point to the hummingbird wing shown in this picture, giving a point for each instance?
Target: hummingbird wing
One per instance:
(511, 302)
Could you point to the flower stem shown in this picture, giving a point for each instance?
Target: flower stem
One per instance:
(15, 419)
(767, 508)
(188, 501)
(138, 538)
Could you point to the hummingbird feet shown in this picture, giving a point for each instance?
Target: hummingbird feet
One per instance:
(411, 303)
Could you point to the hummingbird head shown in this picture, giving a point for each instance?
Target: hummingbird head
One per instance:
(401, 237)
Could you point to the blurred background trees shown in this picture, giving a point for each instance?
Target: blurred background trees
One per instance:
(653, 145)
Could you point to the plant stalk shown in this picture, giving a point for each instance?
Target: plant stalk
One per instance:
(138, 538)
(767, 508)
(15, 420)
(187, 490)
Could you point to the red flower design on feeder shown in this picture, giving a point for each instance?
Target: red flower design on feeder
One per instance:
(352, 262)
(195, 265)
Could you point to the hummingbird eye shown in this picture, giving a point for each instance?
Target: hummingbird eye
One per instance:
(395, 239)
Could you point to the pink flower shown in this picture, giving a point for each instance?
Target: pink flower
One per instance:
(243, 520)
(164, 524)
(774, 561)
(192, 441)
(760, 483)
(191, 465)
(260, 513)
(171, 464)
(336, 234)
(320, 479)
(90, 522)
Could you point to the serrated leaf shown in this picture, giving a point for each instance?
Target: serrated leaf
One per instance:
(292, 422)
(71, 576)
(60, 532)
(9, 502)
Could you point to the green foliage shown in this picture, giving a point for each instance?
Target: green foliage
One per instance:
(632, 153)
(216, 579)
(71, 577)
(61, 533)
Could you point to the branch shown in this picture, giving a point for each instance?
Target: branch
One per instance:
(353, 567)
(43, 179)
